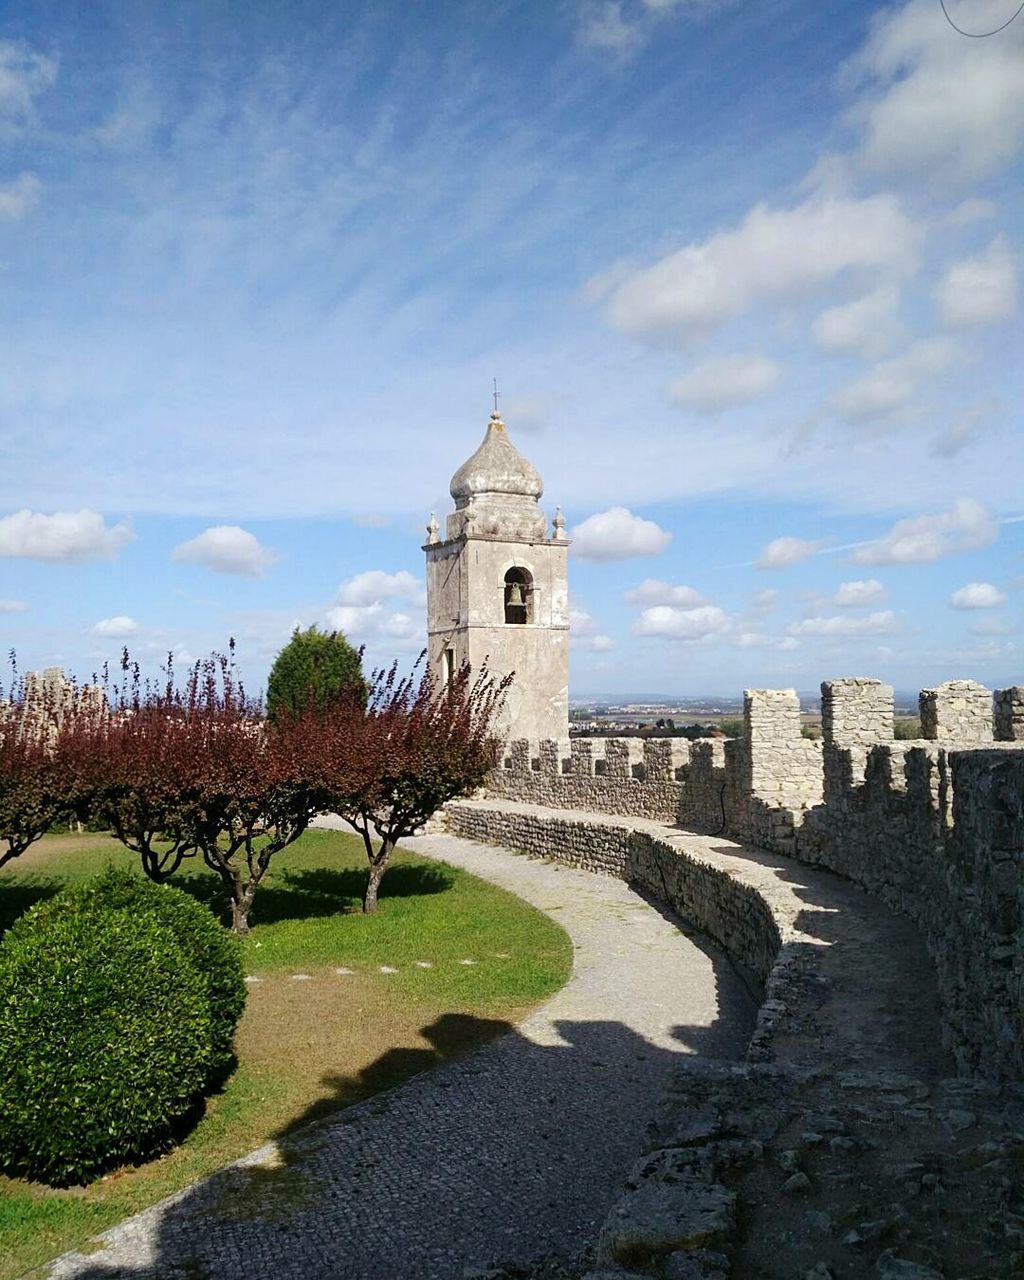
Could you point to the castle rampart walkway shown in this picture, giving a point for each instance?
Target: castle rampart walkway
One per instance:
(520, 1149)
(849, 982)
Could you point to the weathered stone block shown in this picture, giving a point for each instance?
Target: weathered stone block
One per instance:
(856, 711)
(959, 711)
(660, 1218)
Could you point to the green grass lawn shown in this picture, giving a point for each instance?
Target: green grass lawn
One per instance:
(311, 1044)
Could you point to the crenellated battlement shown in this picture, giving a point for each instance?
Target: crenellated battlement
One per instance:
(626, 776)
(934, 826)
(765, 785)
(653, 759)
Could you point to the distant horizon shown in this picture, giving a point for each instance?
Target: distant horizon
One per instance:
(902, 697)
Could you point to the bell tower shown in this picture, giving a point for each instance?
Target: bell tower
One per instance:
(497, 587)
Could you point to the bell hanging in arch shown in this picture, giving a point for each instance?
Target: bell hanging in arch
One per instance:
(516, 599)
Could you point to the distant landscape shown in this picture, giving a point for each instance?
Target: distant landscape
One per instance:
(661, 715)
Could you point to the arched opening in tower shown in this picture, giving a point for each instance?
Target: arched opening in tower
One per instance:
(518, 596)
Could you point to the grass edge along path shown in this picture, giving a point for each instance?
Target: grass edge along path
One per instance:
(341, 1006)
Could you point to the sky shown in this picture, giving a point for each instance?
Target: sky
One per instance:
(747, 276)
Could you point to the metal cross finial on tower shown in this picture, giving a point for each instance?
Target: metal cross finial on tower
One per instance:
(496, 394)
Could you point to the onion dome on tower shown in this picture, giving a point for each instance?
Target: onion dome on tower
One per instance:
(496, 491)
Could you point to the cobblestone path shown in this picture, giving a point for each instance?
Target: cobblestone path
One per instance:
(514, 1152)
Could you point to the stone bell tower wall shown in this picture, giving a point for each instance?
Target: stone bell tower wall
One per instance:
(497, 543)
(466, 614)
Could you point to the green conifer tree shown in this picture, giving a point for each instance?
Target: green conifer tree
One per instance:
(314, 666)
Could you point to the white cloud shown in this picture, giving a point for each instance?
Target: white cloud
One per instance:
(617, 534)
(682, 624)
(19, 196)
(399, 626)
(69, 537)
(966, 526)
(227, 548)
(774, 255)
(602, 26)
(365, 616)
(375, 585)
(977, 595)
(867, 327)
(891, 385)
(586, 634)
(854, 595)
(979, 290)
(116, 628)
(730, 381)
(13, 606)
(23, 75)
(653, 591)
(621, 26)
(758, 640)
(374, 623)
(969, 211)
(936, 105)
(845, 625)
(964, 427)
(371, 521)
(780, 553)
(692, 6)
(879, 393)
(763, 601)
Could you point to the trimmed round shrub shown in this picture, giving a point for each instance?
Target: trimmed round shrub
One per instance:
(105, 1040)
(207, 946)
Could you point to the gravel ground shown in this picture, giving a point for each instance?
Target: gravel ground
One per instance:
(513, 1153)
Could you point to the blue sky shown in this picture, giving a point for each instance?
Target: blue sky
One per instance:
(747, 276)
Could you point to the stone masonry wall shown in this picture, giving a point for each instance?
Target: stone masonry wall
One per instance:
(781, 771)
(580, 842)
(607, 775)
(958, 711)
(1009, 714)
(912, 823)
(707, 784)
(934, 827)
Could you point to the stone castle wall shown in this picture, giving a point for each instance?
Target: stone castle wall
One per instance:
(935, 827)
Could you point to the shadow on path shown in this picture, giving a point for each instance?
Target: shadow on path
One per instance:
(511, 1153)
(877, 1001)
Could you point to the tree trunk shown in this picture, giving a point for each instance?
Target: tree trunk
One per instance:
(377, 868)
(242, 893)
(240, 908)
